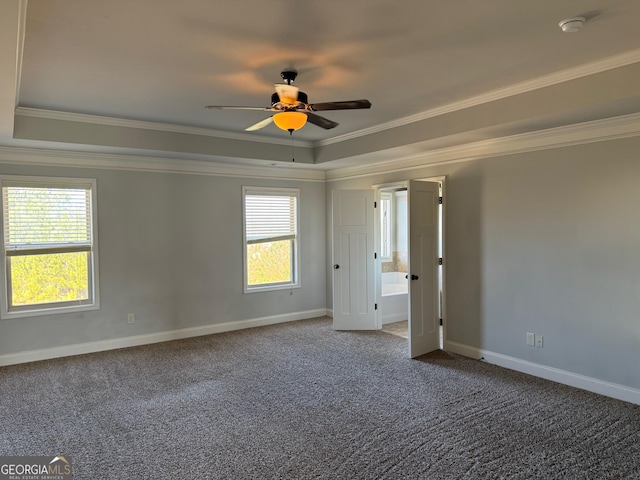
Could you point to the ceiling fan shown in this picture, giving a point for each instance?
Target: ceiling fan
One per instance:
(292, 109)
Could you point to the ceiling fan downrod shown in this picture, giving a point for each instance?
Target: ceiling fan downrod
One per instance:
(289, 76)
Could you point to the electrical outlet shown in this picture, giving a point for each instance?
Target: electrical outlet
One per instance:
(539, 341)
(531, 339)
(131, 318)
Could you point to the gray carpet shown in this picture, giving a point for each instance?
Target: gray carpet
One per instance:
(301, 401)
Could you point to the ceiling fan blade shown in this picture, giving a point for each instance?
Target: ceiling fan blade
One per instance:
(228, 107)
(320, 121)
(287, 93)
(259, 125)
(347, 105)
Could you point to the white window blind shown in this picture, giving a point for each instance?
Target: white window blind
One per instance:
(270, 218)
(44, 218)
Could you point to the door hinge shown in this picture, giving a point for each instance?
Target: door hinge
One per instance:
(440, 200)
(376, 306)
(440, 261)
(440, 321)
(375, 255)
(375, 204)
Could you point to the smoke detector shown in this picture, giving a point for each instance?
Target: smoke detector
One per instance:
(571, 25)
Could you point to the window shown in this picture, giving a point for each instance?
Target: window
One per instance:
(270, 238)
(385, 225)
(49, 248)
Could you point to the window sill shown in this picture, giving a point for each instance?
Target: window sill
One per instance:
(270, 288)
(42, 312)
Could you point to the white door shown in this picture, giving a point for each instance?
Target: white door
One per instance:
(353, 260)
(424, 318)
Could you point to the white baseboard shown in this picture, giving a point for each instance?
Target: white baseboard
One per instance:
(137, 340)
(590, 384)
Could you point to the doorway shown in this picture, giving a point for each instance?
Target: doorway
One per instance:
(357, 271)
(394, 260)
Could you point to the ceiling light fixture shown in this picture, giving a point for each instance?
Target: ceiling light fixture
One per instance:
(290, 121)
(571, 25)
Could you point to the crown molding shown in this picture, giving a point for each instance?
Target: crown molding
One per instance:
(580, 133)
(108, 161)
(145, 125)
(609, 63)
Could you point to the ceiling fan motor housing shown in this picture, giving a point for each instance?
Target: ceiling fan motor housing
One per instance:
(302, 97)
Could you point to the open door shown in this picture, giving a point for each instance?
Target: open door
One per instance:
(353, 260)
(424, 317)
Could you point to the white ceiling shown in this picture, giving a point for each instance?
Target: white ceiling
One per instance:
(162, 61)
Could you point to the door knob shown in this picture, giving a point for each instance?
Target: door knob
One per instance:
(336, 266)
(414, 277)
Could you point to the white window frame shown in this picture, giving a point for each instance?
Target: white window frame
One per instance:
(93, 302)
(386, 196)
(295, 268)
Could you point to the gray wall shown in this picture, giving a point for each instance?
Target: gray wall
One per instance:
(170, 251)
(545, 242)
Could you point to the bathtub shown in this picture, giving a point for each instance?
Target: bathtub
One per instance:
(395, 297)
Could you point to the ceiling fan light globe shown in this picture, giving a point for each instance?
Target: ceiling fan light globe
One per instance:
(290, 121)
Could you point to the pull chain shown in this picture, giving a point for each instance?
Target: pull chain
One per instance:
(293, 159)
